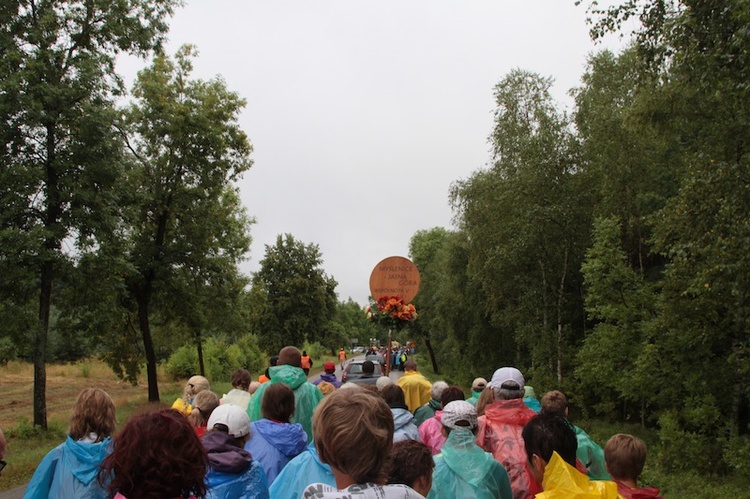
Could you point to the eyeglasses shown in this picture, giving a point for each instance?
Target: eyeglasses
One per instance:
(2, 464)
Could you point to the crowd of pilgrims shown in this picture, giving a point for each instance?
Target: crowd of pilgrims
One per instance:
(284, 437)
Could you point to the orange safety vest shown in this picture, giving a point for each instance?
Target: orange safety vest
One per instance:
(342, 355)
(305, 364)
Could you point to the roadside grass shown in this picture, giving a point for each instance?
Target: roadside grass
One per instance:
(27, 445)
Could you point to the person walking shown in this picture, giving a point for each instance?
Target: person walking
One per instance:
(306, 362)
(342, 358)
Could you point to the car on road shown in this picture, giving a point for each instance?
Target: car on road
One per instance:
(376, 357)
(353, 373)
(358, 350)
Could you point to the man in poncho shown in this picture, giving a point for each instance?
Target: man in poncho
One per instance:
(306, 395)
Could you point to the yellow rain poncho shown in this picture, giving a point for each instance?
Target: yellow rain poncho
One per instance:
(563, 481)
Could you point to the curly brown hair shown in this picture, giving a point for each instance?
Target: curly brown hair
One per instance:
(156, 455)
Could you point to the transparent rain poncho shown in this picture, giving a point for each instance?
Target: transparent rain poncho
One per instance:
(463, 469)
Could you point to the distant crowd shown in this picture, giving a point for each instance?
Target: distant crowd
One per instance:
(285, 437)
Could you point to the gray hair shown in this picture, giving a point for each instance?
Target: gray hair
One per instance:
(508, 391)
(438, 387)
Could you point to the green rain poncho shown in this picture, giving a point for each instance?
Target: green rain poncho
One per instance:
(306, 396)
(463, 469)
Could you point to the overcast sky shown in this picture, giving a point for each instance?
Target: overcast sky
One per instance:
(362, 113)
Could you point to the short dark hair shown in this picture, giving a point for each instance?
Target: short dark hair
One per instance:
(241, 378)
(547, 433)
(394, 397)
(368, 367)
(410, 365)
(451, 394)
(278, 403)
(409, 461)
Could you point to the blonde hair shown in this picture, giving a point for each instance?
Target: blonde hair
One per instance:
(326, 387)
(193, 387)
(486, 397)
(625, 456)
(93, 412)
(354, 415)
(203, 405)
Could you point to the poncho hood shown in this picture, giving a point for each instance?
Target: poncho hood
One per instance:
(292, 376)
(223, 453)
(401, 418)
(289, 438)
(462, 455)
(84, 458)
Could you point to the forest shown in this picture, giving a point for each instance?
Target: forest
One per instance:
(603, 251)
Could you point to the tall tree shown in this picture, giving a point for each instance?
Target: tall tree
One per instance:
(526, 219)
(185, 227)
(300, 299)
(57, 85)
(425, 249)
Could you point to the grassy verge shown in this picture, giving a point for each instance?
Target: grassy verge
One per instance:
(27, 445)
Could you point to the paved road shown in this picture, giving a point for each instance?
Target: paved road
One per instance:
(394, 375)
(17, 493)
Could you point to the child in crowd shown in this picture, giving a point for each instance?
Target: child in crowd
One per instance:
(203, 405)
(625, 456)
(411, 464)
(70, 469)
(275, 441)
(232, 470)
(589, 453)
(193, 387)
(344, 422)
(402, 418)
(550, 444)
(239, 395)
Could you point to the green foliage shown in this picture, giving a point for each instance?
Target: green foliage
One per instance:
(220, 359)
(7, 350)
(297, 298)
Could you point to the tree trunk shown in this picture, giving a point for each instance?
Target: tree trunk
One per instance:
(428, 344)
(40, 346)
(201, 366)
(560, 295)
(143, 298)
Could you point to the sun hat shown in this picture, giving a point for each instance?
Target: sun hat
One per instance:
(505, 374)
(459, 414)
(329, 367)
(231, 418)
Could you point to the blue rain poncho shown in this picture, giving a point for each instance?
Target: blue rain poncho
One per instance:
(70, 470)
(463, 469)
(250, 484)
(273, 445)
(299, 473)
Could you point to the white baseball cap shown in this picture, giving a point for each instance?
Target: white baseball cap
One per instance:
(234, 418)
(505, 374)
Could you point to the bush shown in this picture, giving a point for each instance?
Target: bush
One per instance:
(219, 358)
(7, 350)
